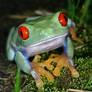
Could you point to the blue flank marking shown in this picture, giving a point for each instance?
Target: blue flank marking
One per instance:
(26, 57)
(66, 49)
(66, 45)
(24, 53)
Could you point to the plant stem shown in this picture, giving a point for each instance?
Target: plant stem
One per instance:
(85, 10)
(18, 81)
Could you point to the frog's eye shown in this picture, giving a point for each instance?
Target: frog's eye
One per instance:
(63, 19)
(23, 32)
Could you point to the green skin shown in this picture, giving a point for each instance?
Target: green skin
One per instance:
(40, 29)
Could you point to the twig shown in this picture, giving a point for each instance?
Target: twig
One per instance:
(20, 90)
(75, 90)
(18, 16)
(78, 47)
(5, 79)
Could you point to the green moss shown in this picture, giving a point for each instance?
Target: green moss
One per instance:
(65, 81)
(84, 66)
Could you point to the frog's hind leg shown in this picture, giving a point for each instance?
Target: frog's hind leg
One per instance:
(64, 61)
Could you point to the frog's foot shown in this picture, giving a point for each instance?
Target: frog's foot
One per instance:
(63, 61)
(39, 69)
(75, 73)
(46, 63)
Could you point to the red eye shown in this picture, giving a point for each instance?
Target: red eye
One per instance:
(63, 19)
(23, 32)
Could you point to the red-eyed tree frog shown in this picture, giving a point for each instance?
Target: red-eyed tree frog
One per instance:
(38, 35)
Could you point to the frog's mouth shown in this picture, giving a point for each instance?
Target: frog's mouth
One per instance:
(45, 45)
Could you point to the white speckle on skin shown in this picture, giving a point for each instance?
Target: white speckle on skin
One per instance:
(40, 33)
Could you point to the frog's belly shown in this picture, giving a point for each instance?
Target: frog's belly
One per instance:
(46, 45)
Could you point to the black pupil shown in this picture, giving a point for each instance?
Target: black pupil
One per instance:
(21, 33)
(65, 18)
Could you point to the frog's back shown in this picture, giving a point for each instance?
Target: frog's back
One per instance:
(48, 22)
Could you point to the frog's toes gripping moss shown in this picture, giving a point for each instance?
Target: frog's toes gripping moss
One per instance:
(60, 60)
(39, 69)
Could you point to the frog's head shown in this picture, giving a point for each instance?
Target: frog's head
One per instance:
(42, 28)
(43, 32)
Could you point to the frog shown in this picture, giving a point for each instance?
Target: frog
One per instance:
(38, 35)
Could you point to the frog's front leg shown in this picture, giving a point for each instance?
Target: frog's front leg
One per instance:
(26, 66)
(69, 51)
(68, 47)
(64, 60)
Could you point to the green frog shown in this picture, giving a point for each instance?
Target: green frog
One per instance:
(38, 35)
